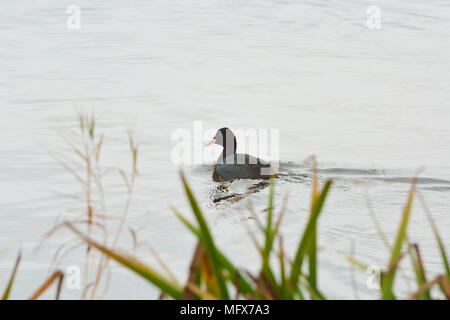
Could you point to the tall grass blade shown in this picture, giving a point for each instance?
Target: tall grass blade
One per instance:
(208, 241)
(308, 234)
(268, 231)
(445, 286)
(57, 275)
(244, 286)
(132, 263)
(200, 293)
(314, 293)
(281, 258)
(194, 273)
(11, 279)
(312, 254)
(436, 235)
(427, 286)
(416, 261)
(387, 282)
(357, 263)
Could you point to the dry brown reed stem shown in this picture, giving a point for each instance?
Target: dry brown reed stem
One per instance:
(56, 276)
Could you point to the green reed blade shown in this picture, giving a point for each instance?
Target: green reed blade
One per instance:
(312, 258)
(387, 282)
(11, 279)
(304, 246)
(437, 236)
(244, 286)
(132, 263)
(268, 230)
(210, 247)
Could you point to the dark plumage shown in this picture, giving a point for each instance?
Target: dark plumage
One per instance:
(233, 166)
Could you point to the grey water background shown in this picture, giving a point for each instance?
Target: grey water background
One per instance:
(372, 105)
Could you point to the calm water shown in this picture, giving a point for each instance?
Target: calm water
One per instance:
(372, 105)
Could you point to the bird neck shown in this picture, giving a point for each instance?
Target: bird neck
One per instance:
(229, 148)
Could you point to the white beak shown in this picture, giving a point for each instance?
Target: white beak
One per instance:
(212, 141)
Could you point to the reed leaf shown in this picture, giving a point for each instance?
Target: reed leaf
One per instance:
(436, 235)
(314, 293)
(244, 286)
(387, 282)
(135, 265)
(7, 291)
(416, 261)
(208, 241)
(194, 273)
(56, 276)
(357, 263)
(308, 234)
(312, 254)
(268, 230)
(427, 286)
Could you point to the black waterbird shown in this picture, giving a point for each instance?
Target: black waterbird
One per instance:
(233, 166)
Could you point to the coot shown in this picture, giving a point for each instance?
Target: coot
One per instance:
(233, 166)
